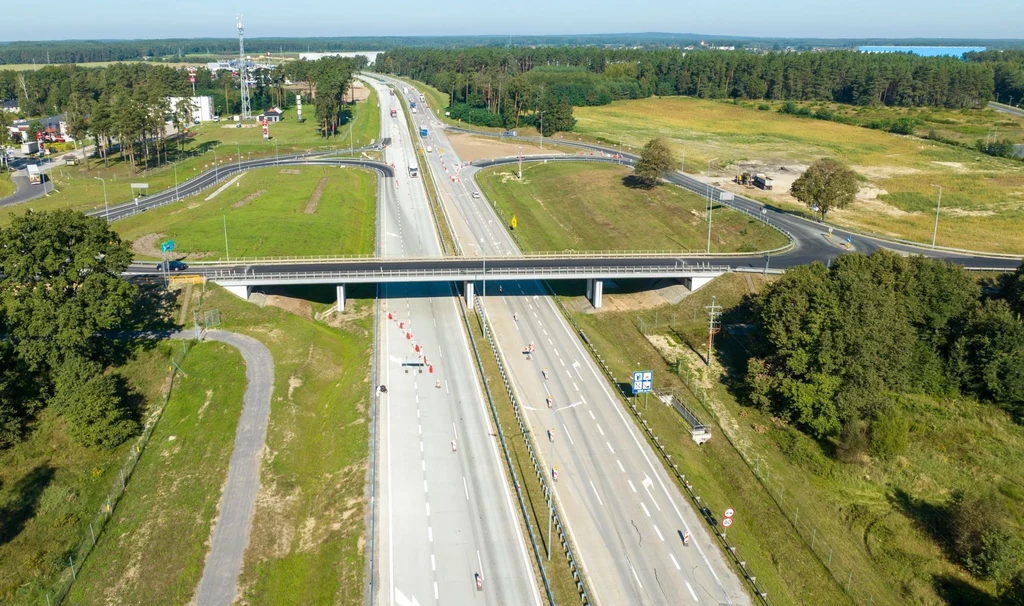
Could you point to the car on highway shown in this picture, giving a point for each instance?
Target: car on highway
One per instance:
(174, 265)
(476, 194)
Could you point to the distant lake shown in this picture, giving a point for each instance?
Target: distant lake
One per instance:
(924, 51)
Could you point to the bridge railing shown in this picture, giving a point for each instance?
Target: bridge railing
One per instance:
(557, 255)
(457, 273)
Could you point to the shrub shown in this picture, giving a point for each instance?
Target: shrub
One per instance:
(889, 433)
(764, 107)
(983, 537)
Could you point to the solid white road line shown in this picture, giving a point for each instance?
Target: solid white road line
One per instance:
(636, 577)
(465, 486)
(596, 494)
(455, 430)
(567, 434)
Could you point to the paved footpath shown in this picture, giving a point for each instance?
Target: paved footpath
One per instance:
(219, 584)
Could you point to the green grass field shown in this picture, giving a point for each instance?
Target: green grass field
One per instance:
(308, 530)
(51, 489)
(209, 144)
(154, 549)
(877, 519)
(576, 206)
(6, 185)
(272, 223)
(983, 203)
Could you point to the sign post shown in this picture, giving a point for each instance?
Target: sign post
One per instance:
(643, 383)
(165, 248)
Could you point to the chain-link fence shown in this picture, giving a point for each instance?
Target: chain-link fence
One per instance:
(77, 556)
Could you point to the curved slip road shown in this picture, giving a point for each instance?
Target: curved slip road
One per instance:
(219, 583)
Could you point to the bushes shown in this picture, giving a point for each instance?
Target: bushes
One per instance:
(889, 434)
(982, 536)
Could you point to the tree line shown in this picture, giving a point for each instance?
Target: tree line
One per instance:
(61, 288)
(501, 81)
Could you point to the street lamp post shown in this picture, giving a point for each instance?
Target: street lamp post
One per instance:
(541, 131)
(710, 203)
(216, 167)
(520, 162)
(277, 156)
(239, 149)
(106, 209)
(935, 231)
(175, 165)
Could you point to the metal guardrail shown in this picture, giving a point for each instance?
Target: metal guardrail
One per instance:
(528, 256)
(508, 457)
(540, 470)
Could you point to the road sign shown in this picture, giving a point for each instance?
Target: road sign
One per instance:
(167, 246)
(727, 522)
(643, 381)
(729, 512)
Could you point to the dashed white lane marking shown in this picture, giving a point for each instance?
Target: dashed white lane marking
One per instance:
(658, 532)
(621, 468)
(595, 493)
(417, 396)
(446, 386)
(545, 331)
(630, 482)
(466, 487)
(455, 430)
(561, 361)
(425, 486)
(644, 507)
(636, 577)
(550, 342)
(577, 387)
(430, 534)
(610, 447)
(592, 414)
(420, 428)
(673, 558)
(428, 509)
(423, 464)
(433, 563)
(692, 592)
(567, 434)
(602, 433)
(421, 445)
(435, 591)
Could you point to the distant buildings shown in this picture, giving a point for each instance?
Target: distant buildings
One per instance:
(371, 56)
(272, 115)
(202, 107)
(11, 106)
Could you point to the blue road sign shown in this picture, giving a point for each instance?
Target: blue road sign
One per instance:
(167, 246)
(643, 381)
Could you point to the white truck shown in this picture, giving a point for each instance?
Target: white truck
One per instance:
(414, 171)
(34, 176)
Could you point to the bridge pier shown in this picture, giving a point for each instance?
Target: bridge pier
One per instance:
(595, 288)
(340, 289)
(469, 294)
(695, 282)
(240, 290)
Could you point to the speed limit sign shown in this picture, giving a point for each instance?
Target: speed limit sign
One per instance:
(729, 512)
(727, 522)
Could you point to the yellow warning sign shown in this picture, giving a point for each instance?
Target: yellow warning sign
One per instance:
(515, 222)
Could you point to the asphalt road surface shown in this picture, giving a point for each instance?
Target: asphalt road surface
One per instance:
(219, 583)
(445, 512)
(623, 512)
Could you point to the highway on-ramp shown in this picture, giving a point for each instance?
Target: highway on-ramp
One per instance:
(444, 513)
(624, 514)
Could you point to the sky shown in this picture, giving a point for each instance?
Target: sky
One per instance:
(125, 19)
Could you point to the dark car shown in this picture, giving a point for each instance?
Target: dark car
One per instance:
(173, 266)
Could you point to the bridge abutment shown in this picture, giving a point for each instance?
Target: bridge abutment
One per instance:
(469, 294)
(695, 282)
(239, 290)
(595, 290)
(340, 289)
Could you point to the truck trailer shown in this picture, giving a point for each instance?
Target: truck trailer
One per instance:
(423, 132)
(34, 176)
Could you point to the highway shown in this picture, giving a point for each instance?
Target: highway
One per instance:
(445, 512)
(624, 514)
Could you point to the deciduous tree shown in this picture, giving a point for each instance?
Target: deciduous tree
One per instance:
(655, 159)
(825, 186)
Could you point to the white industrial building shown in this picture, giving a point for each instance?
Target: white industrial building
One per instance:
(202, 107)
(371, 56)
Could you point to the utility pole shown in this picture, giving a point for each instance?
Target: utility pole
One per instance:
(227, 255)
(935, 230)
(710, 203)
(542, 131)
(106, 209)
(520, 162)
(714, 324)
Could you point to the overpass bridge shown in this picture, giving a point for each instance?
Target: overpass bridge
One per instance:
(241, 278)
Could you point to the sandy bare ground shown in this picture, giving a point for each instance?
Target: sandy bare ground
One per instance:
(358, 91)
(314, 200)
(148, 245)
(248, 199)
(290, 171)
(471, 147)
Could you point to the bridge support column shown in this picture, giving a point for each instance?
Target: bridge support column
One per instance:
(598, 289)
(469, 294)
(695, 282)
(240, 290)
(340, 288)
(590, 289)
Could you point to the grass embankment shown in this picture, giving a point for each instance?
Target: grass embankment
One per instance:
(154, 548)
(783, 564)
(51, 489)
(210, 143)
(575, 206)
(6, 185)
(267, 215)
(308, 528)
(881, 520)
(557, 568)
(982, 201)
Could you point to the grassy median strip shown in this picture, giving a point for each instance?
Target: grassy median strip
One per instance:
(266, 214)
(765, 539)
(585, 206)
(154, 548)
(557, 568)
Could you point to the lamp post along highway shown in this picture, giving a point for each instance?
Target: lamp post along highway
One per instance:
(239, 149)
(175, 165)
(106, 209)
(710, 203)
(227, 255)
(935, 230)
(216, 168)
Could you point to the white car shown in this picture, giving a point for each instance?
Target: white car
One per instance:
(476, 194)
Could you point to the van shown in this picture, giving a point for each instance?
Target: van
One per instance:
(430, 149)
